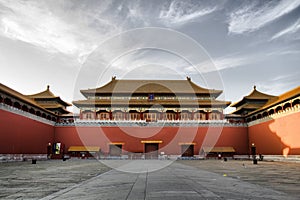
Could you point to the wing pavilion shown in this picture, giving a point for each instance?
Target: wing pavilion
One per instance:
(49, 101)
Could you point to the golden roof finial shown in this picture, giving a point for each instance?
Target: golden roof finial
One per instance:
(48, 87)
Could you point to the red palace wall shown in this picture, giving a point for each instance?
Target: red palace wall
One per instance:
(171, 137)
(19, 134)
(22, 135)
(280, 136)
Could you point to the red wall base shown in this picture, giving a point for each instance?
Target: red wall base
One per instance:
(171, 137)
(279, 136)
(22, 135)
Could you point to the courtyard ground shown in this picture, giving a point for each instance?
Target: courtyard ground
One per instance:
(281, 176)
(186, 179)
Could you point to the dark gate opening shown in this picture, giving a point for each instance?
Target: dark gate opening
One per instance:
(115, 150)
(151, 150)
(187, 150)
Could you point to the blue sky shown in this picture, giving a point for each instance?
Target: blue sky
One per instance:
(72, 45)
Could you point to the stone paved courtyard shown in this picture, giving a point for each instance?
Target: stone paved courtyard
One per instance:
(197, 179)
(24, 180)
(281, 176)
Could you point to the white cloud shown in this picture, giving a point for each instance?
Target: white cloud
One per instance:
(284, 52)
(252, 17)
(145, 58)
(180, 12)
(34, 23)
(231, 62)
(83, 55)
(278, 84)
(220, 63)
(288, 31)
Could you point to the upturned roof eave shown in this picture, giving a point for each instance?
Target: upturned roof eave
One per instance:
(110, 87)
(149, 103)
(237, 104)
(254, 95)
(23, 98)
(87, 93)
(241, 102)
(47, 94)
(64, 111)
(239, 111)
(281, 98)
(62, 102)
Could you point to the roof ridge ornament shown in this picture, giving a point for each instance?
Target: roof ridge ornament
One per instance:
(48, 87)
(113, 78)
(254, 87)
(188, 78)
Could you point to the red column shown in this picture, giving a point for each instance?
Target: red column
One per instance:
(192, 117)
(141, 115)
(95, 115)
(110, 115)
(177, 115)
(222, 115)
(207, 115)
(80, 115)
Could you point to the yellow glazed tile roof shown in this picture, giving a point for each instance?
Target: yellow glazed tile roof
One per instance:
(84, 148)
(151, 86)
(254, 95)
(218, 149)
